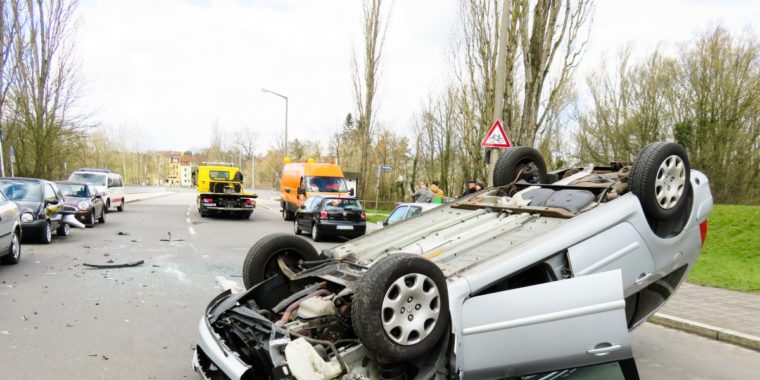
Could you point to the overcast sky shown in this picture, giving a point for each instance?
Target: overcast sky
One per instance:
(170, 69)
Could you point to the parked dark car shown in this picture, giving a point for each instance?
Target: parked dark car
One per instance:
(40, 204)
(10, 231)
(332, 216)
(87, 201)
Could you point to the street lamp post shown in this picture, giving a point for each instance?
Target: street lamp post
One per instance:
(286, 116)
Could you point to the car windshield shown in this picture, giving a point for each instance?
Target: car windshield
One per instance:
(326, 184)
(341, 204)
(72, 190)
(95, 179)
(22, 191)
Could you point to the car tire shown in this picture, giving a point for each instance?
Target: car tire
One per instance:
(102, 218)
(246, 215)
(516, 160)
(660, 178)
(296, 230)
(315, 235)
(91, 219)
(384, 319)
(108, 205)
(286, 214)
(120, 208)
(63, 230)
(46, 235)
(261, 261)
(14, 251)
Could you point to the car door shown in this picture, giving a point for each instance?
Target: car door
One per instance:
(312, 210)
(8, 215)
(620, 247)
(301, 218)
(569, 323)
(96, 199)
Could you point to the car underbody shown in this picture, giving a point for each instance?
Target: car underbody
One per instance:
(359, 312)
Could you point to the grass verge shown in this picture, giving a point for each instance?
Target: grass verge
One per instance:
(730, 258)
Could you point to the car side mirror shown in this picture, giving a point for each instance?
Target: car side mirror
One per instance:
(287, 190)
(301, 191)
(351, 192)
(302, 207)
(98, 196)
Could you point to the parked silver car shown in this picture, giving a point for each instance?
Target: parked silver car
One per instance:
(542, 276)
(10, 231)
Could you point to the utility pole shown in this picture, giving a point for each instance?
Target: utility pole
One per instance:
(501, 74)
(2, 163)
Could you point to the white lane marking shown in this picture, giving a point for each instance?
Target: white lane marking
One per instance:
(187, 213)
(187, 220)
(192, 231)
(228, 284)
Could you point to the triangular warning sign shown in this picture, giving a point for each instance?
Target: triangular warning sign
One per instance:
(496, 137)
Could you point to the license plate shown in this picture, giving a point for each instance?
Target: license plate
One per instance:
(345, 227)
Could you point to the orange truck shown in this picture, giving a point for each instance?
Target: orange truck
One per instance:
(302, 180)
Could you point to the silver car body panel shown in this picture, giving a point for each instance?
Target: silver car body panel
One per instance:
(550, 325)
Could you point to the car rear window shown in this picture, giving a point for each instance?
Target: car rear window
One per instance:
(217, 174)
(343, 204)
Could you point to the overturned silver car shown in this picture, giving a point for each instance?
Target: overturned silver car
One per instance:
(541, 276)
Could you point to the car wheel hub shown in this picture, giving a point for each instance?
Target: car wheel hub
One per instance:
(670, 182)
(410, 309)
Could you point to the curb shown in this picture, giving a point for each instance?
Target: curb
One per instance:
(711, 332)
(154, 195)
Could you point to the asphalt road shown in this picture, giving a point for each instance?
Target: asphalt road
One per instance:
(61, 320)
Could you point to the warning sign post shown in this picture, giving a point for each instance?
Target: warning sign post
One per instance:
(496, 137)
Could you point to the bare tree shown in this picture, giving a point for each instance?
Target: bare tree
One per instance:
(365, 79)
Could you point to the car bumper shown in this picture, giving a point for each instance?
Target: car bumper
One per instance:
(35, 225)
(214, 208)
(211, 356)
(342, 228)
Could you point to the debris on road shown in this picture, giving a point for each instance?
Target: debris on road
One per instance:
(4, 332)
(122, 233)
(112, 266)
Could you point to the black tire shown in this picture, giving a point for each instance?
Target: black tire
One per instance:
(63, 230)
(296, 229)
(517, 159)
(120, 208)
(90, 218)
(108, 205)
(315, 235)
(46, 235)
(381, 281)
(102, 218)
(287, 214)
(245, 215)
(660, 177)
(14, 251)
(261, 261)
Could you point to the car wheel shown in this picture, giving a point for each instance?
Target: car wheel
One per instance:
(400, 309)
(296, 230)
(315, 232)
(46, 235)
(519, 160)
(120, 208)
(660, 178)
(63, 230)
(91, 218)
(102, 218)
(14, 252)
(108, 205)
(261, 261)
(287, 215)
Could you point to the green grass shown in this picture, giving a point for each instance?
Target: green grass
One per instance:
(730, 258)
(375, 215)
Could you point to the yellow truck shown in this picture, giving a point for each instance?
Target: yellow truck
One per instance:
(220, 191)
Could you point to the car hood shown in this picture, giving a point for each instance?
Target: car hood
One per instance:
(74, 201)
(28, 206)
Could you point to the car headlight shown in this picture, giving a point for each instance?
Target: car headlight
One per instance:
(84, 205)
(27, 217)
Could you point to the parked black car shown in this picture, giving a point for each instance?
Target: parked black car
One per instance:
(88, 202)
(40, 204)
(332, 216)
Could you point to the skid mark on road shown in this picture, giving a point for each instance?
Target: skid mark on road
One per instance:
(228, 284)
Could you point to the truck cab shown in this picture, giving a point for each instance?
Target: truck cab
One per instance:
(220, 191)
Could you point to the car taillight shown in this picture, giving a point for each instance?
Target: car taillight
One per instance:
(323, 214)
(703, 231)
(208, 200)
(249, 201)
(364, 215)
